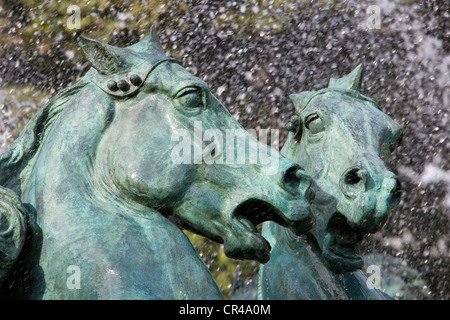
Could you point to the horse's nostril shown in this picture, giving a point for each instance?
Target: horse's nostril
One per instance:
(354, 176)
(396, 192)
(296, 179)
(305, 182)
(290, 177)
(353, 181)
(398, 188)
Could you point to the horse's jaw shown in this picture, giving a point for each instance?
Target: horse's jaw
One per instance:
(337, 239)
(343, 222)
(250, 213)
(345, 226)
(234, 217)
(340, 245)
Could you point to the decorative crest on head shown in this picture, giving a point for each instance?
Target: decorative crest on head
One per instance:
(122, 71)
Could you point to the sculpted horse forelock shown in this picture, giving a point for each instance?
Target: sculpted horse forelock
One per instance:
(341, 138)
(90, 184)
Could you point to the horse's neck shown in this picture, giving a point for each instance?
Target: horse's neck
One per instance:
(124, 250)
(64, 180)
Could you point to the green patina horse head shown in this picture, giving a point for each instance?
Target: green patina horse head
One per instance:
(341, 138)
(96, 174)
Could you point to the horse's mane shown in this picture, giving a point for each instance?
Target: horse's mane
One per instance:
(24, 149)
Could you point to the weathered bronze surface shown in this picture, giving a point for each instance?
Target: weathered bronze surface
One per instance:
(90, 186)
(341, 138)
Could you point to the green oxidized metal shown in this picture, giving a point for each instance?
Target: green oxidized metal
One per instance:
(341, 138)
(90, 188)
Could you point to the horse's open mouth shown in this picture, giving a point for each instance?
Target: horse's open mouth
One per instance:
(236, 222)
(341, 245)
(246, 218)
(256, 211)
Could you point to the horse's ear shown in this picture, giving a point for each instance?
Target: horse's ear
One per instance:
(150, 44)
(352, 81)
(300, 100)
(100, 55)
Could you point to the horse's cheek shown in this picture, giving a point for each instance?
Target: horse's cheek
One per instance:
(155, 179)
(314, 159)
(170, 181)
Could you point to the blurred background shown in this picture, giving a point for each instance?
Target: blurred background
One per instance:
(253, 54)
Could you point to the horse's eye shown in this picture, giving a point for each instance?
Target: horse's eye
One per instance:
(191, 97)
(314, 123)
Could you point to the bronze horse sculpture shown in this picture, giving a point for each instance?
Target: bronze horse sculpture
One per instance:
(90, 188)
(341, 138)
